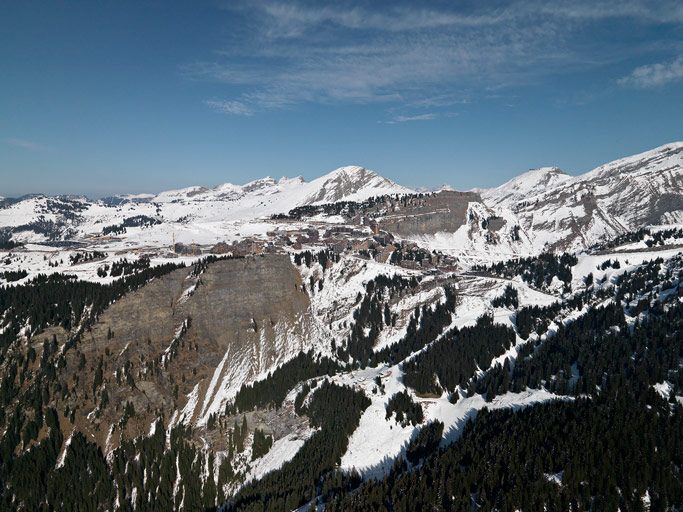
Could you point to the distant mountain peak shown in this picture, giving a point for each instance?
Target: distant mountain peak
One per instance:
(351, 170)
(545, 171)
(526, 185)
(545, 208)
(571, 212)
(285, 180)
(351, 183)
(262, 183)
(665, 157)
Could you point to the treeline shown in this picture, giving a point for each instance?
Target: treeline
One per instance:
(322, 257)
(335, 410)
(660, 237)
(655, 238)
(61, 300)
(141, 221)
(406, 410)
(82, 257)
(453, 359)
(50, 229)
(124, 267)
(261, 444)
(6, 242)
(586, 355)
(626, 238)
(13, 275)
(372, 314)
(604, 454)
(536, 318)
(199, 267)
(530, 319)
(347, 208)
(66, 206)
(538, 271)
(271, 391)
(423, 327)
(509, 299)
(648, 279)
(595, 353)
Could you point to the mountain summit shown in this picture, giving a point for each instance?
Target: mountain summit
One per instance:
(542, 209)
(566, 212)
(350, 183)
(524, 186)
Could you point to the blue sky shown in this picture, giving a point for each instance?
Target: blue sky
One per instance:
(112, 97)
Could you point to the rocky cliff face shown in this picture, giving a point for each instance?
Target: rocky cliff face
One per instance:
(430, 214)
(560, 212)
(181, 347)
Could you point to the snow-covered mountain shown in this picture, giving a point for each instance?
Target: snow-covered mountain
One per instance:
(542, 209)
(547, 209)
(350, 183)
(358, 334)
(524, 186)
(558, 211)
(193, 214)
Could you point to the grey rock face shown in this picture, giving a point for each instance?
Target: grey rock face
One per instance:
(245, 317)
(617, 197)
(442, 212)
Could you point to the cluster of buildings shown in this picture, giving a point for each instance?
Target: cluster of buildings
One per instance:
(343, 239)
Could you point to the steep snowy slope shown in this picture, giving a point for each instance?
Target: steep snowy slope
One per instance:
(641, 189)
(351, 183)
(527, 185)
(560, 212)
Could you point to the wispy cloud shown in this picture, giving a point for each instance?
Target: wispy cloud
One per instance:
(443, 100)
(288, 20)
(654, 75)
(415, 56)
(24, 144)
(417, 117)
(229, 107)
(657, 11)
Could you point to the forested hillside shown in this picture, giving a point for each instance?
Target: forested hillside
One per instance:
(338, 366)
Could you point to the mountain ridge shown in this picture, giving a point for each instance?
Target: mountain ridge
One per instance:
(532, 178)
(351, 176)
(205, 346)
(541, 209)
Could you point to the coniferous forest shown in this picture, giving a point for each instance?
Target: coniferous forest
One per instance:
(611, 439)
